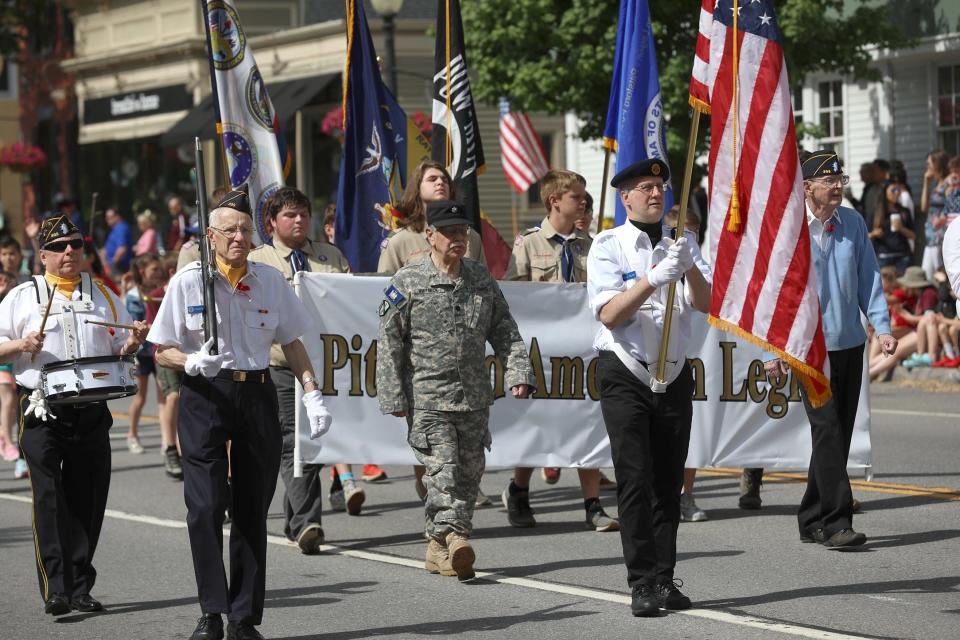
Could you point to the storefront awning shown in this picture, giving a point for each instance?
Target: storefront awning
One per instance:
(287, 97)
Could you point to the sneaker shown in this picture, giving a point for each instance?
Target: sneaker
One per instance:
(20, 469)
(171, 462)
(750, 482)
(598, 520)
(483, 500)
(643, 602)
(689, 511)
(421, 489)
(669, 596)
(917, 360)
(812, 535)
(519, 513)
(551, 475)
(373, 473)
(134, 446)
(310, 539)
(8, 450)
(844, 539)
(606, 484)
(354, 497)
(462, 555)
(338, 502)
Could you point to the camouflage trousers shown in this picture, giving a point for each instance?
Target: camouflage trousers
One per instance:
(450, 444)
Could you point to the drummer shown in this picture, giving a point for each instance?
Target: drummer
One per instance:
(66, 446)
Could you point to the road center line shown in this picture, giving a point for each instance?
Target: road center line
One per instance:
(527, 583)
(928, 414)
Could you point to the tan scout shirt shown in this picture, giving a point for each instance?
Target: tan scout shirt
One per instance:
(322, 257)
(537, 258)
(405, 247)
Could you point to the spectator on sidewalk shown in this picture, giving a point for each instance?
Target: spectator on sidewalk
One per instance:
(118, 248)
(936, 181)
(148, 242)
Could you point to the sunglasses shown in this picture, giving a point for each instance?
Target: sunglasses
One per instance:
(61, 245)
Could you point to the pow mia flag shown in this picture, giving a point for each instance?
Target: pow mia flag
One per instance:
(456, 132)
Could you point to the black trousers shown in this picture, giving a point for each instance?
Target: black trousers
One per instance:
(828, 500)
(301, 502)
(69, 461)
(649, 435)
(212, 412)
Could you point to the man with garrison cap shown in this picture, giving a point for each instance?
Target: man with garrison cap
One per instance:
(435, 321)
(66, 446)
(227, 394)
(629, 270)
(848, 282)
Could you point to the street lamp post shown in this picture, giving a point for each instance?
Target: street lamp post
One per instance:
(388, 10)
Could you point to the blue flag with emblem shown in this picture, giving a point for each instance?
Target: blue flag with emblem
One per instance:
(370, 150)
(634, 128)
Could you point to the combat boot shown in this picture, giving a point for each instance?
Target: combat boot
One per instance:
(461, 555)
(438, 558)
(750, 482)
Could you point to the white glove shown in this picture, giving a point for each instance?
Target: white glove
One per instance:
(668, 270)
(320, 419)
(681, 248)
(202, 363)
(38, 406)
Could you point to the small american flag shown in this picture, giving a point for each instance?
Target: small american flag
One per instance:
(524, 160)
(764, 283)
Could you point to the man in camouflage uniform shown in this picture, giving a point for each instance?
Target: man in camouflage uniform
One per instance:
(437, 317)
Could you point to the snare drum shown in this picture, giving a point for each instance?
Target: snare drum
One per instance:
(88, 379)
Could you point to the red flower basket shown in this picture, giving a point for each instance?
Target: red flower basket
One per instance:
(22, 157)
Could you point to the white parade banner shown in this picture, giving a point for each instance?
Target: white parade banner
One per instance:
(739, 418)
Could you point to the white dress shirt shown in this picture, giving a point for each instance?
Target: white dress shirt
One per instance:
(618, 259)
(260, 310)
(819, 231)
(21, 313)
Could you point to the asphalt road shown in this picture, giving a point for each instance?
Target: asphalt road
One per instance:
(747, 573)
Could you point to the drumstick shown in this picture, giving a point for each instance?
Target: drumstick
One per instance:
(43, 323)
(129, 327)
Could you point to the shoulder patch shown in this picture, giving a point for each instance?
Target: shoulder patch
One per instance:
(384, 307)
(395, 297)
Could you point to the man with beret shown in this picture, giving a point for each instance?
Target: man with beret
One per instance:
(629, 269)
(66, 446)
(227, 394)
(848, 282)
(437, 317)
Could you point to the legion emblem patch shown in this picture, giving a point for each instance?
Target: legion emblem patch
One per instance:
(228, 43)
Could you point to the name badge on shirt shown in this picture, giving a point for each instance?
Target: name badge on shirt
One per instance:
(630, 275)
(195, 309)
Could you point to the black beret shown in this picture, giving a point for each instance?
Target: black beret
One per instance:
(238, 199)
(642, 169)
(54, 228)
(444, 213)
(821, 163)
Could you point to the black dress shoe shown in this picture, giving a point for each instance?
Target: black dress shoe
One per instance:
(813, 535)
(669, 595)
(644, 602)
(57, 605)
(242, 631)
(209, 627)
(86, 603)
(844, 539)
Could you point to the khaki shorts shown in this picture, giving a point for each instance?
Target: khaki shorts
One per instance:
(169, 379)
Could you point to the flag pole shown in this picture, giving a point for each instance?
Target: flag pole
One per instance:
(659, 384)
(603, 189)
(515, 214)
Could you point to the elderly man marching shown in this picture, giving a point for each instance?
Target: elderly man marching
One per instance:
(628, 272)
(437, 317)
(848, 282)
(229, 395)
(54, 318)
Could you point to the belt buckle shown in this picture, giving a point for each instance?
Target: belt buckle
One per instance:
(239, 376)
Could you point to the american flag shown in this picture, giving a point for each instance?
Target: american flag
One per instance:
(764, 283)
(524, 160)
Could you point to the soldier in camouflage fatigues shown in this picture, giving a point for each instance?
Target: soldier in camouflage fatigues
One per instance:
(437, 317)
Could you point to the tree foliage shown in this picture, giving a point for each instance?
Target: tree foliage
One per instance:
(557, 55)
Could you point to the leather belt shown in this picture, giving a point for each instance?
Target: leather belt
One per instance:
(259, 377)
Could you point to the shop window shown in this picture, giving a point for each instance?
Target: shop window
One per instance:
(948, 108)
(267, 16)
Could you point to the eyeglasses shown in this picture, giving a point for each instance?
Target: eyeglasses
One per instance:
(834, 180)
(246, 232)
(648, 187)
(61, 245)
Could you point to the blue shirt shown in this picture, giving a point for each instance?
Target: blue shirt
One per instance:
(119, 237)
(848, 279)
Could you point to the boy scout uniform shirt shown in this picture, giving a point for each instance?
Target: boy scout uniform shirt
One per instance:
(433, 336)
(322, 257)
(261, 309)
(538, 255)
(618, 259)
(405, 246)
(21, 313)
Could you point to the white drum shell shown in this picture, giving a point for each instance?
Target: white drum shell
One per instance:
(89, 379)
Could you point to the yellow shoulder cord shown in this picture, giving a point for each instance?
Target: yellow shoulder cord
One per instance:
(106, 294)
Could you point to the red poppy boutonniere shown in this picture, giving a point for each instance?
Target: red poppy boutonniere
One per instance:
(829, 227)
(242, 288)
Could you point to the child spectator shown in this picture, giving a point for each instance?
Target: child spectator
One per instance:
(8, 390)
(923, 300)
(11, 259)
(168, 379)
(147, 273)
